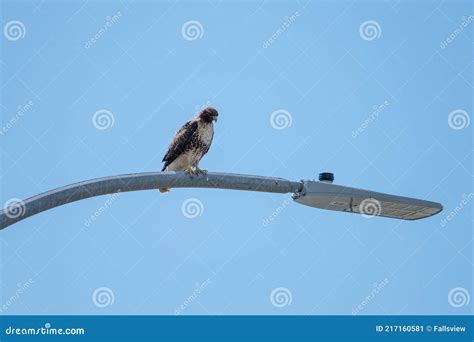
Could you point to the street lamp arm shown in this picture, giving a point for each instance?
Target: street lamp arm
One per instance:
(141, 181)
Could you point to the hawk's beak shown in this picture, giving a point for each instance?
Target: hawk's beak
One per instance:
(214, 118)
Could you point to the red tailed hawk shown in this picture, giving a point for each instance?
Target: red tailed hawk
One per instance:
(190, 144)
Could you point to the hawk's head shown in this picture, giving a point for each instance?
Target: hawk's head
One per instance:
(208, 114)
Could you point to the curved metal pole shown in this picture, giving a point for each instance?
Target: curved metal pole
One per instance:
(141, 181)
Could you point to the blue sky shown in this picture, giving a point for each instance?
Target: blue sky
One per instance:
(399, 74)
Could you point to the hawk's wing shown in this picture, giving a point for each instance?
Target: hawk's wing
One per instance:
(180, 142)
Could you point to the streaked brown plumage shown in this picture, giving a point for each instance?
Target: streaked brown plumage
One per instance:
(190, 144)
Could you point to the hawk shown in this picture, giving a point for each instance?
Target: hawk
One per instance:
(190, 144)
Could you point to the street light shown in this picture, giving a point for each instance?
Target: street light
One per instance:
(325, 195)
(320, 194)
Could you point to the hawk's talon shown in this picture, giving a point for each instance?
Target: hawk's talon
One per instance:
(189, 172)
(198, 171)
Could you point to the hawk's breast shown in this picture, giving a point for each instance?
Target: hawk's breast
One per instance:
(206, 133)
